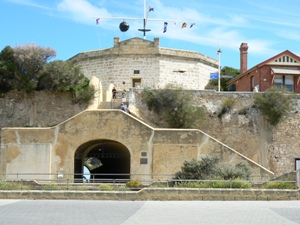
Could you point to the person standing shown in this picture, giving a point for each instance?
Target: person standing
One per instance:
(114, 94)
(124, 96)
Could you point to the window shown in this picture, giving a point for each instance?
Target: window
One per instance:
(278, 81)
(289, 82)
(297, 164)
(252, 83)
(136, 72)
(284, 81)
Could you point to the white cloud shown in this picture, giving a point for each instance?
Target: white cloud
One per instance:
(289, 34)
(81, 10)
(28, 3)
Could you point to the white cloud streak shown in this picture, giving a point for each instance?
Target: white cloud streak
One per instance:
(29, 3)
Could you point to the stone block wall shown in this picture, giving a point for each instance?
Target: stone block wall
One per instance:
(243, 129)
(161, 194)
(137, 58)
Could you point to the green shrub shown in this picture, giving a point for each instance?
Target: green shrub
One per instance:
(214, 184)
(275, 104)
(50, 187)
(227, 105)
(198, 170)
(6, 185)
(105, 187)
(241, 184)
(175, 106)
(210, 167)
(83, 95)
(159, 184)
(280, 185)
(240, 170)
(133, 184)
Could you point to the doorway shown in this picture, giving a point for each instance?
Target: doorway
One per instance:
(136, 82)
(102, 161)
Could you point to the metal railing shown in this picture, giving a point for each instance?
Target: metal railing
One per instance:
(118, 181)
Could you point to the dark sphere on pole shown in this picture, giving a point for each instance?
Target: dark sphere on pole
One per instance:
(124, 26)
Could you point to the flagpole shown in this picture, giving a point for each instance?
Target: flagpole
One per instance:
(219, 68)
(144, 30)
(144, 9)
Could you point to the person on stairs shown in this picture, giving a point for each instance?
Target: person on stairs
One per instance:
(114, 94)
(124, 108)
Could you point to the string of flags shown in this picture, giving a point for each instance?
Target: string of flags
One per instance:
(165, 27)
(184, 25)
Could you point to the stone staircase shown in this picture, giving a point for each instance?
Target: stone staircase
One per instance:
(116, 104)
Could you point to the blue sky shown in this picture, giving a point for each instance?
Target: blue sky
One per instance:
(68, 26)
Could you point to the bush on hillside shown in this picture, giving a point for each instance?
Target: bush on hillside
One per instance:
(275, 104)
(175, 106)
(227, 106)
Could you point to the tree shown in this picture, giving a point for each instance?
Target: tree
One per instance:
(213, 83)
(65, 76)
(59, 76)
(30, 60)
(275, 104)
(7, 69)
(27, 68)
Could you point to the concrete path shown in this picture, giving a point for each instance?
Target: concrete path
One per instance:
(78, 212)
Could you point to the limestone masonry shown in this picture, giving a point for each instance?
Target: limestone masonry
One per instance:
(138, 62)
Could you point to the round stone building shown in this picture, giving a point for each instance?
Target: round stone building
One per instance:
(137, 62)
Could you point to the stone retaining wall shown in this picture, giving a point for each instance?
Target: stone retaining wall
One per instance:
(160, 194)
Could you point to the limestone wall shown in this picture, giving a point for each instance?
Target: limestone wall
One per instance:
(118, 69)
(243, 129)
(248, 133)
(52, 150)
(39, 109)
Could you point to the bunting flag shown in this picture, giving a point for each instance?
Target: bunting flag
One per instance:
(97, 21)
(183, 25)
(192, 25)
(151, 9)
(165, 27)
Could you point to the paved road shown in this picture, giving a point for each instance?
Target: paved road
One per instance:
(73, 212)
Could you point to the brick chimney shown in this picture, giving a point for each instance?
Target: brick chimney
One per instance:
(243, 58)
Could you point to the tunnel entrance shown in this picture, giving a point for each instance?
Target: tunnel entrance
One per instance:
(106, 161)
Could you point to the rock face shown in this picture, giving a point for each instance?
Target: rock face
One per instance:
(39, 109)
(244, 129)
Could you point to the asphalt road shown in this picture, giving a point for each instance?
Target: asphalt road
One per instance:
(64, 212)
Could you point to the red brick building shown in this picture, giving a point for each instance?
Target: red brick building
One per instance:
(281, 70)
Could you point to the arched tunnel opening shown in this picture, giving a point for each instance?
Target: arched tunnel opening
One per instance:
(106, 161)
